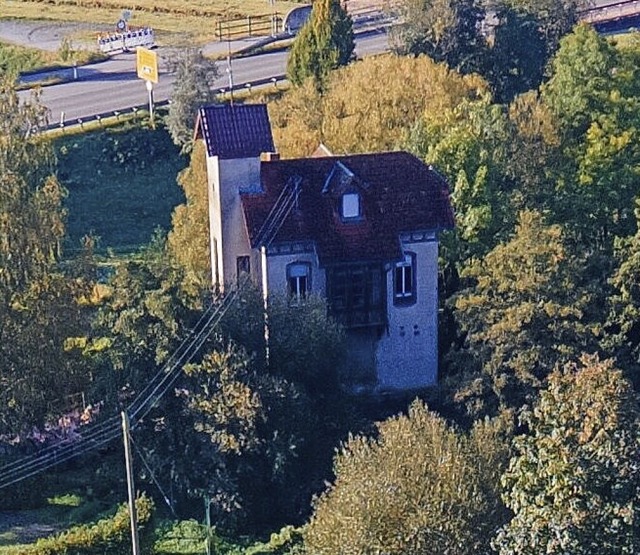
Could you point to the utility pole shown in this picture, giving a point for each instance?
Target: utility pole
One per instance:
(265, 299)
(229, 68)
(207, 515)
(132, 492)
(149, 85)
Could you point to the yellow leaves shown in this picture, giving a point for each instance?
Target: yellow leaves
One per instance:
(369, 105)
(75, 343)
(98, 293)
(422, 486)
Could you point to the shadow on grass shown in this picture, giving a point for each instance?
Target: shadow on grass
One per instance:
(122, 186)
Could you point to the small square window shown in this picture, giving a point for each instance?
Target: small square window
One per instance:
(350, 205)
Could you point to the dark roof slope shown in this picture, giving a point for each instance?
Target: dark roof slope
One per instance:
(399, 194)
(235, 131)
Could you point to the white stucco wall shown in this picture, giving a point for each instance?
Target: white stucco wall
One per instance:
(226, 222)
(277, 272)
(407, 355)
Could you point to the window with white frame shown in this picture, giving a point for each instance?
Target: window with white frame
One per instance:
(350, 208)
(404, 280)
(299, 279)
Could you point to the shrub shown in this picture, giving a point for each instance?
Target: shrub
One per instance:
(112, 534)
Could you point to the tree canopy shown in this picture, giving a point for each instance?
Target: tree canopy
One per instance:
(384, 96)
(194, 76)
(323, 44)
(443, 30)
(522, 315)
(574, 482)
(420, 486)
(39, 306)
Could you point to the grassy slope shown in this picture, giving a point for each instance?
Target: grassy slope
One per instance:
(174, 20)
(121, 183)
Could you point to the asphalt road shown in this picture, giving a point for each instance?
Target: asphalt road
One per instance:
(112, 85)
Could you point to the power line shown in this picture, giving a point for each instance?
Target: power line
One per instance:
(287, 199)
(54, 459)
(171, 377)
(104, 432)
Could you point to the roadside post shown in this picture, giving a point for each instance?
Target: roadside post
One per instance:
(147, 69)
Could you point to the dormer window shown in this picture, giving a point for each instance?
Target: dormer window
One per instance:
(350, 208)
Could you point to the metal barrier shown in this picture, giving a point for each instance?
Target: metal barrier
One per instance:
(133, 110)
(272, 24)
(624, 8)
(117, 42)
(250, 26)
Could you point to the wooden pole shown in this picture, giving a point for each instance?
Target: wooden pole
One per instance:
(265, 300)
(207, 515)
(130, 485)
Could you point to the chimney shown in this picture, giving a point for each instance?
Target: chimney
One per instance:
(269, 157)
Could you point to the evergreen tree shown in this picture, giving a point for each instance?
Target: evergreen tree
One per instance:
(323, 44)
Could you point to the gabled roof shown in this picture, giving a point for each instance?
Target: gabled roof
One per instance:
(402, 194)
(235, 131)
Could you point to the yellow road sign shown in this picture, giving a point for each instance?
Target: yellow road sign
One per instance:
(147, 64)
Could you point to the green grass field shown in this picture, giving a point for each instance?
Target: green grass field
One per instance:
(121, 183)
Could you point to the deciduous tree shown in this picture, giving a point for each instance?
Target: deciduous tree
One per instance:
(468, 143)
(368, 106)
(555, 18)
(518, 56)
(594, 95)
(522, 315)
(445, 31)
(194, 76)
(39, 306)
(421, 486)
(574, 482)
(188, 240)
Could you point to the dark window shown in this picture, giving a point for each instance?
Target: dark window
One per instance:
(404, 280)
(243, 266)
(299, 279)
(356, 294)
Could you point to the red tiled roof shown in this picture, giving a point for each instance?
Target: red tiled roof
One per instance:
(235, 131)
(399, 194)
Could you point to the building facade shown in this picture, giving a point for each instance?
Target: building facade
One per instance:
(359, 230)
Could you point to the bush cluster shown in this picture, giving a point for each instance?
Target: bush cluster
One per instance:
(109, 534)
